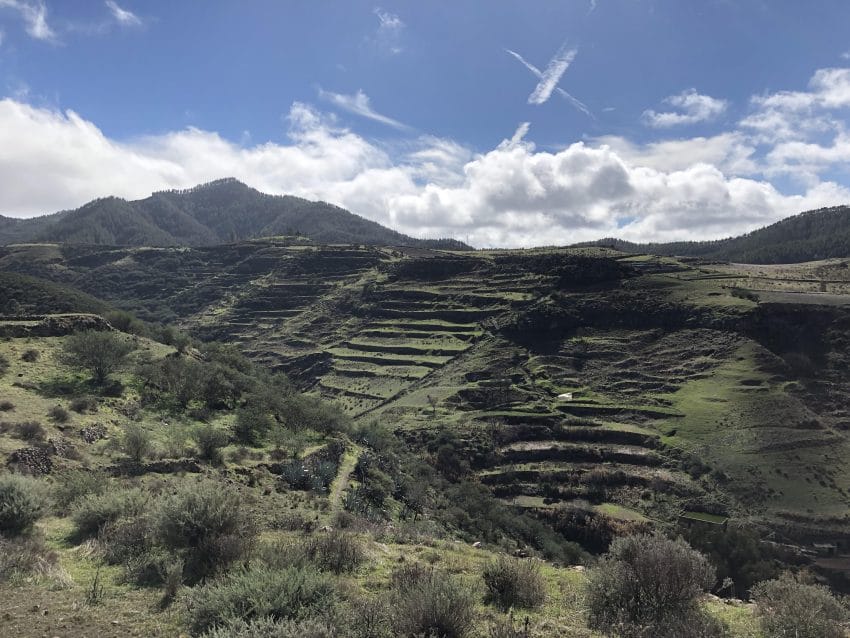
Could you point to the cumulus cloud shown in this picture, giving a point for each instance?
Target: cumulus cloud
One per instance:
(692, 108)
(123, 17)
(34, 15)
(359, 104)
(512, 195)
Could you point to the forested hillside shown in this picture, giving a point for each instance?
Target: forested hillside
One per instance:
(810, 236)
(222, 211)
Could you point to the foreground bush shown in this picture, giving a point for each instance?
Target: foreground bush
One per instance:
(94, 511)
(72, 485)
(335, 552)
(206, 525)
(514, 583)
(22, 503)
(788, 607)
(27, 556)
(288, 594)
(136, 443)
(270, 628)
(433, 603)
(649, 586)
(99, 353)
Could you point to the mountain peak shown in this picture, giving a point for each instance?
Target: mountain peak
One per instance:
(223, 210)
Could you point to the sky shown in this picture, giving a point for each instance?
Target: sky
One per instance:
(500, 123)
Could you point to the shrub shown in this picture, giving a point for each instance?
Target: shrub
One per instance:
(287, 594)
(59, 414)
(29, 431)
(136, 443)
(647, 583)
(6, 406)
(368, 618)
(253, 423)
(210, 441)
(30, 356)
(336, 552)
(22, 503)
(26, 556)
(99, 353)
(4, 364)
(434, 604)
(94, 511)
(207, 525)
(514, 583)
(270, 628)
(72, 485)
(788, 607)
(81, 405)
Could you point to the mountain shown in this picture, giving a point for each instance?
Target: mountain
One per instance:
(809, 236)
(221, 211)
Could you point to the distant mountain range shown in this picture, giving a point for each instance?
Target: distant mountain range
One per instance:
(817, 234)
(221, 211)
(227, 210)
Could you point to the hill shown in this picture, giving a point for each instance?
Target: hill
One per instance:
(221, 211)
(445, 407)
(809, 236)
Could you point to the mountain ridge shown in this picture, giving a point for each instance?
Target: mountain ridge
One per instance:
(220, 211)
(813, 235)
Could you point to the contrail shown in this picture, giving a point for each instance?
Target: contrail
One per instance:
(539, 75)
(552, 75)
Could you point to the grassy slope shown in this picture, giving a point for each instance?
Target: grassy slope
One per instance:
(727, 406)
(56, 604)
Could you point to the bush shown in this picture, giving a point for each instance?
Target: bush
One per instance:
(252, 425)
(81, 405)
(788, 607)
(99, 353)
(6, 406)
(210, 441)
(336, 552)
(72, 485)
(207, 525)
(434, 604)
(4, 365)
(287, 594)
(270, 628)
(29, 431)
(368, 618)
(136, 443)
(647, 584)
(514, 583)
(59, 414)
(30, 356)
(22, 503)
(94, 511)
(24, 557)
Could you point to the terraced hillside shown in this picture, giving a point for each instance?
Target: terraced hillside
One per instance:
(630, 388)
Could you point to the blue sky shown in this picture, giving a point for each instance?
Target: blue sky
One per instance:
(654, 119)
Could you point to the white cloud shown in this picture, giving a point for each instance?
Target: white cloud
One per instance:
(845, 55)
(359, 104)
(732, 152)
(123, 17)
(693, 108)
(387, 37)
(552, 75)
(34, 15)
(512, 195)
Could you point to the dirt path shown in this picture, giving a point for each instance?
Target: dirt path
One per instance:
(346, 467)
